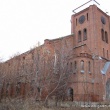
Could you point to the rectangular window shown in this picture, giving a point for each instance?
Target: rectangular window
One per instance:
(76, 21)
(87, 16)
(79, 36)
(107, 54)
(103, 53)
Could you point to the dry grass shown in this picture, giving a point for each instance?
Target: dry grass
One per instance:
(30, 104)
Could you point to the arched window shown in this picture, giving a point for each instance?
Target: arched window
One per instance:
(82, 66)
(85, 34)
(102, 34)
(70, 94)
(79, 36)
(89, 67)
(106, 37)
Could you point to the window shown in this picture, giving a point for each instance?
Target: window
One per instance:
(106, 37)
(85, 34)
(76, 21)
(79, 36)
(74, 70)
(70, 94)
(103, 53)
(75, 65)
(107, 54)
(82, 66)
(71, 66)
(87, 16)
(89, 67)
(102, 34)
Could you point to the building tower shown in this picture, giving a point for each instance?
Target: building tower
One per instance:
(91, 28)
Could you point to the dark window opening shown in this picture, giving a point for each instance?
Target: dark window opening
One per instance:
(74, 70)
(85, 34)
(79, 36)
(103, 53)
(75, 65)
(89, 67)
(107, 54)
(23, 58)
(76, 21)
(71, 66)
(70, 94)
(106, 37)
(82, 66)
(38, 89)
(102, 34)
(87, 16)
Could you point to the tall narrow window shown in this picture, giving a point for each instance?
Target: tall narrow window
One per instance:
(103, 53)
(106, 37)
(89, 67)
(79, 36)
(76, 21)
(107, 54)
(102, 34)
(82, 66)
(85, 34)
(75, 65)
(87, 16)
(71, 66)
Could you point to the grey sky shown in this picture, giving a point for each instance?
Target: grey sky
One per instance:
(25, 22)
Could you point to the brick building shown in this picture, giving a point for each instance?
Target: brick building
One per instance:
(73, 67)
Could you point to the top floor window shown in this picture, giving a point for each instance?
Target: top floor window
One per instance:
(76, 21)
(102, 34)
(87, 16)
(79, 36)
(106, 37)
(85, 34)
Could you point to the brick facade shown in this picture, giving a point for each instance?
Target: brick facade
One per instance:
(68, 67)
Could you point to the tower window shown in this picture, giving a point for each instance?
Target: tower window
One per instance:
(79, 36)
(71, 66)
(102, 34)
(76, 21)
(85, 34)
(75, 65)
(89, 67)
(87, 16)
(107, 54)
(103, 53)
(82, 66)
(106, 37)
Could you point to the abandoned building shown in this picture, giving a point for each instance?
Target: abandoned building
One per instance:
(73, 67)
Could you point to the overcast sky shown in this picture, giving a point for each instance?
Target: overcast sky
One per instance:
(25, 22)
